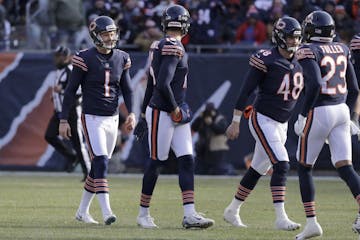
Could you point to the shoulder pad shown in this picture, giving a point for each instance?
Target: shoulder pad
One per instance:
(304, 52)
(172, 47)
(78, 61)
(257, 60)
(355, 43)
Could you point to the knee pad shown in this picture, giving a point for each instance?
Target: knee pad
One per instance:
(281, 167)
(100, 166)
(186, 162)
(278, 177)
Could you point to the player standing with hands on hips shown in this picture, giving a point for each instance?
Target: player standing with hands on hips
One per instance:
(279, 79)
(331, 90)
(168, 117)
(103, 73)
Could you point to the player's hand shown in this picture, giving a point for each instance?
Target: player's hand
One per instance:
(130, 122)
(232, 132)
(141, 129)
(300, 125)
(64, 129)
(354, 125)
(176, 115)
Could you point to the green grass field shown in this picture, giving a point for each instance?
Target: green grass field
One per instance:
(43, 207)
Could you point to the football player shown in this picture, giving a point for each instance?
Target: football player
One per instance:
(331, 90)
(168, 117)
(279, 79)
(103, 73)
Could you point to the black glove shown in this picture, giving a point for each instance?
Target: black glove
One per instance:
(141, 129)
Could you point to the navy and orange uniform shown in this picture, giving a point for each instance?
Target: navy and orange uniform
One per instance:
(279, 83)
(330, 80)
(355, 54)
(168, 71)
(103, 77)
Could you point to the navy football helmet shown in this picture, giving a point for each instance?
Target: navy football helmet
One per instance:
(318, 26)
(177, 17)
(100, 25)
(283, 28)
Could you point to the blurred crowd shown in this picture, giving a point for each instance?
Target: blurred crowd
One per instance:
(44, 24)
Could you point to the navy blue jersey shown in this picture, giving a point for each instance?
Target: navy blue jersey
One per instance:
(169, 69)
(355, 52)
(279, 83)
(329, 79)
(103, 77)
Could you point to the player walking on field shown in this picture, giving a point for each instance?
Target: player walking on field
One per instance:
(331, 90)
(168, 117)
(103, 73)
(279, 79)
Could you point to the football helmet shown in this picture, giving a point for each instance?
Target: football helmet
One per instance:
(177, 17)
(283, 28)
(100, 25)
(318, 26)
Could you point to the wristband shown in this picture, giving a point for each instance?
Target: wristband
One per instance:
(236, 118)
(63, 121)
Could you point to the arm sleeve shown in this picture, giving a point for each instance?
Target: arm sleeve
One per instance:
(166, 75)
(353, 87)
(252, 80)
(148, 93)
(70, 91)
(126, 89)
(312, 77)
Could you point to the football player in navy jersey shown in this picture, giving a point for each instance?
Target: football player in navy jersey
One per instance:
(355, 52)
(331, 90)
(168, 117)
(278, 77)
(103, 73)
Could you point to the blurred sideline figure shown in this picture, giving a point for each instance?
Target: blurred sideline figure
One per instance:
(76, 153)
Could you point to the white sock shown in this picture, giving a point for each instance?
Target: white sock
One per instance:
(280, 210)
(189, 209)
(311, 220)
(143, 211)
(235, 204)
(85, 202)
(104, 202)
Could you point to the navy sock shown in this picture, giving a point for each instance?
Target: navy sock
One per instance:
(186, 173)
(348, 174)
(278, 181)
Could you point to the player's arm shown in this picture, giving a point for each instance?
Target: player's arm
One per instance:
(127, 95)
(148, 94)
(69, 100)
(352, 85)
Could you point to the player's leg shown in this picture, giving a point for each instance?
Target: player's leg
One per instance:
(160, 134)
(340, 148)
(52, 137)
(182, 146)
(309, 147)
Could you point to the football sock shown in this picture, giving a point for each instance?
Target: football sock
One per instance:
(280, 210)
(189, 209)
(104, 202)
(307, 190)
(186, 173)
(348, 174)
(85, 201)
(247, 184)
(235, 204)
(150, 177)
(278, 182)
(144, 211)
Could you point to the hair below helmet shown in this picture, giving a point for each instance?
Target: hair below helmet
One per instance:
(319, 26)
(100, 25)
(283, 28)
(176, 17)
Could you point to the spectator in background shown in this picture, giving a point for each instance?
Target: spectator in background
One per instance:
(150, 34)
(344, 24)
(5, 30)
(253, 30)
(211, 146)
(67, 22)
(99, 8)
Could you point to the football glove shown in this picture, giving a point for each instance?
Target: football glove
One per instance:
(185, 114)
(300, 125)
(141, 129)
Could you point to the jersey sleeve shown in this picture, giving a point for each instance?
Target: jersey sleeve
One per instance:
(171, 53)
(79, 70)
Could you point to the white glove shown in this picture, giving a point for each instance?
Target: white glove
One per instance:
(354, 129)
(299, 125)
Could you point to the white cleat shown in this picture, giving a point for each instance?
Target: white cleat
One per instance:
(286, 224)
(86, 218)
(146, 222)
(233, 218)
(197, 221)
(109, 219)
(356, 224)
(310, 231)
